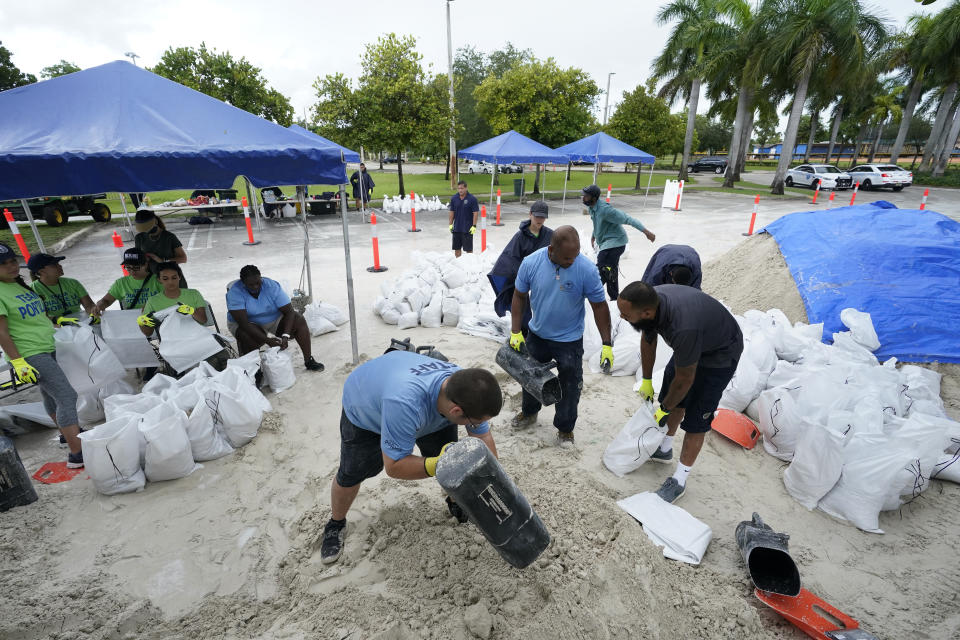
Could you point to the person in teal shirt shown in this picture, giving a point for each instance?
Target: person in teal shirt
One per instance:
(61, 296)
(609, 238)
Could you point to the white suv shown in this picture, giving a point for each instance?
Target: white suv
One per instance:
(808, 175)
(876, 176)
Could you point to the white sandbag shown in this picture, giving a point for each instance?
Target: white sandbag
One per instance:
(925, 439)
(485, 325)
(278, 369)
(185, 397)
(947, 468)
(168, 454)
(451, 312)
(390, 316)
(316, 322)
(120, 405)
(432, 315)
(386, 288)
(332, 313)
(241, 383)
(408, 320)
(111, 456)
(403, 307)
(184, 342)
(208, 441)
(626, 356)
(745, 386)
(85, 359)
(158, 384)
(816, 466)
(845, 342)
(753, 410)
(454, 277)
(89, 408)
(636, 442)
(785, 374)
(861, 327)
(238, 416)
(248, 362)
(417, 300)
(380, 304)
(780, 423)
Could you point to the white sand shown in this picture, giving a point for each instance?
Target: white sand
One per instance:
(231, 551)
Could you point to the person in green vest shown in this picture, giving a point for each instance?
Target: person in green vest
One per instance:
(133, 290)
(26, 338)
(157, 244)
(61, 296)
(189, 302)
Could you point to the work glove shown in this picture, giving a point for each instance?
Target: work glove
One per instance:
(451, 228)
(472, 229)
(64, 321)
(146, 320)
(661, 416)
(185, 309)
(517, 341)
(94, 319)
(646, 389)
(606, 358)
(24, 371)
(430, 464)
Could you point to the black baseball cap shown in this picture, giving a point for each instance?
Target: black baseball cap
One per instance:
(40, 260)
(134, 256)
(539, 209)
(592, 190)
(6, 253)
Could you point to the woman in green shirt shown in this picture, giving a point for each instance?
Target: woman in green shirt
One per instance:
(26, 338)
(157, 244)
(61, 296)
(133, 290)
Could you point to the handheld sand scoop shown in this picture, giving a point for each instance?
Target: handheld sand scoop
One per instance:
(765, 553)
(535, 377)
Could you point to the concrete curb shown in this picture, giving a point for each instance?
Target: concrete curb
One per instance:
(73, 239)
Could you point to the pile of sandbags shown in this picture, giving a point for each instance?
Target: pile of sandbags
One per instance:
(162, 432)
(398, 204)
(323, 317)
(93, 370)
(441, 290)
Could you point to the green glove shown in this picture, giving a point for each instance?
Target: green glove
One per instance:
(430, 464)
(516, 341)
(646, 389)
(661, 416)
(451, 228)
(472, 229)
(146, 321)
(185, 309)
(606, 358)
(24, 371)
(94, 319)
(64, 321)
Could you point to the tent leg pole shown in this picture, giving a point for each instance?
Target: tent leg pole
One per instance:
(543, 182)
(33, 226)
(346, 256)
(594, 173)
(563, 206)
(306, 240)
(649, 180)
(126, 214)
(492, 175)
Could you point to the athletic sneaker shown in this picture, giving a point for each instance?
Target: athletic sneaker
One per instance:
(258, 378)
(313, 365)
(75, 460)
(662, 456)
(670, 491)
(565, 439)
(522, 420)
(332, 546)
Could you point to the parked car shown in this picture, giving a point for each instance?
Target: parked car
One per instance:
(479, 166)
(56, 210)
(511, 168)
(392, 160)
(809, 175)
(877, 176)
(713, 164)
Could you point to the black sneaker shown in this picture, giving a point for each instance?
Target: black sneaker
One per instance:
(332, 546)
(258, 379)
(313, 365)
(63, 442)
(75, 460)
(671, 491)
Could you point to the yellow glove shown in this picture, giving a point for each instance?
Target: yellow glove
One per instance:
(94, 319)
(606, 358)
(516, 341)
(451, 228)
(646, 389)
(64, 321)
(146, 321)
(24, 371)
(472, 229)
(185, 309)
(430, 464)
(660, 416)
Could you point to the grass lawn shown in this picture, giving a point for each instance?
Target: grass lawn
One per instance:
(49, 235)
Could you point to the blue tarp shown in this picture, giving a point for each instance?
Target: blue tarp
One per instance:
(601, 147)
(512, 147)
(348, 154)
(117, 127)
(900, 265)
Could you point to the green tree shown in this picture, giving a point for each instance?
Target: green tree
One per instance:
(62, 68)
(502, 60)
(712, 134)
(766, 130)
(10, 74)
(644, 121)
(334, 115)
(236, 82)
(943, 48)
(469, 70)
(910, 55)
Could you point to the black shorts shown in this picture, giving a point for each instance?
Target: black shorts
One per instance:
(462, 240)
(361, 456)
(703, 397)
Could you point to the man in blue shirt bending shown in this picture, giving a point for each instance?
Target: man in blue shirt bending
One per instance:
(463, 219)
(392, 403)
(555, 280)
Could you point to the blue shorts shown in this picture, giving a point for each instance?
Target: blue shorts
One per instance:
(703, 397)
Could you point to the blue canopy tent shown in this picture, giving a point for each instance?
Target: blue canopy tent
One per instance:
(62, 137)
(348, 154)
(511, 147)
(601, 147)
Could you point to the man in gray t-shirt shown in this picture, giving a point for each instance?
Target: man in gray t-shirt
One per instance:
(706, 342)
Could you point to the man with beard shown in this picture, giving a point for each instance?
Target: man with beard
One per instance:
(706, 342)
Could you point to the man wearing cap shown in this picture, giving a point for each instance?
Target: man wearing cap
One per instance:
(555, 280)
(463, 219)
(706, 342)
(61, 296)
(157, 244)
(674, 264)
(363, 185)
(133, 290)
(609, 237)
(532, 235)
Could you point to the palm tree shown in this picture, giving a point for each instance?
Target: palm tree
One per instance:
(884, 110)
(805, 32)
(681, 62)
(909, 54)
(943, 48)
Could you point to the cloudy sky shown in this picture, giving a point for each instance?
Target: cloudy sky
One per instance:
(295, 41)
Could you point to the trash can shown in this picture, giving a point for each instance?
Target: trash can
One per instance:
(518, 187)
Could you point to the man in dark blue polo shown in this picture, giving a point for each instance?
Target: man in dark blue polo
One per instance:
(463, 219)
(674, 264)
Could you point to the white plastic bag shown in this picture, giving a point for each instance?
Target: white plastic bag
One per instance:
(237, 416)
(817, 463)
(85, 359)
(332, 313)
(861, 326)
(317, 323)
(278, 369)
(241, 383)
(120, 405)
(168, 454)
(636, 442)
(451, 312)
(184, 342)
(432, 314)
(158, 384)
(780, 423)
(408, 320)
(185, 397)
(111, 456)
(248, 362)
(208, 441)
(89, 408)
(743, 388)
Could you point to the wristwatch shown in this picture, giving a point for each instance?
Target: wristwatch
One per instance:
(285, 335)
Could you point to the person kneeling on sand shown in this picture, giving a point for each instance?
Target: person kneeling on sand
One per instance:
(392, 403)
(706, 342)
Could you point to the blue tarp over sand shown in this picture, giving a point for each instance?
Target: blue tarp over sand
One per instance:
(900, 265)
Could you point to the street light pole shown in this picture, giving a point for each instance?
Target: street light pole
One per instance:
(606, 105)
(133, 57)
(453, 143)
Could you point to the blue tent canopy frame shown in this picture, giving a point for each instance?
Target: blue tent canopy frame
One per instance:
(601, 147)
(349, 155)
(512, 147)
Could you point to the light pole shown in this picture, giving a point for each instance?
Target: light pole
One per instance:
(606, 105)
(133, 57)
(453, 143)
